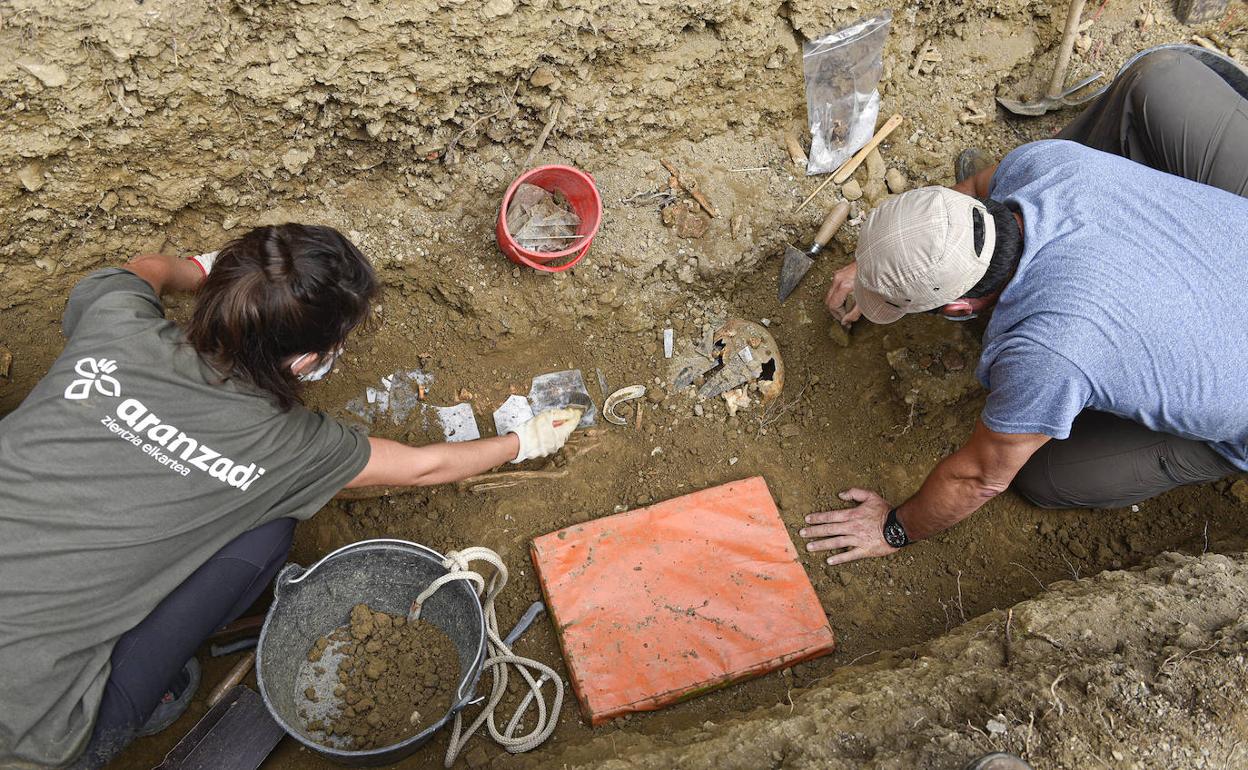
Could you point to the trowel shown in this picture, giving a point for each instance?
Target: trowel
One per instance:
(797, 263)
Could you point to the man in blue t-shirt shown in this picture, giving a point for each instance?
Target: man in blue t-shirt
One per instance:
(1115, 259)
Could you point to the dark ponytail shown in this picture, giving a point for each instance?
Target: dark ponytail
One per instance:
(275, 293)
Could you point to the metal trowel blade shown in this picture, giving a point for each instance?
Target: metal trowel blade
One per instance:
(796, 264)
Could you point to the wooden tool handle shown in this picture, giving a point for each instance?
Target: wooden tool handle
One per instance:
(836, 217)
(853, 163)
(1063, 50)
(236, 675)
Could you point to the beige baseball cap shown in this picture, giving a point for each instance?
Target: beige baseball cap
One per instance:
(916, 252)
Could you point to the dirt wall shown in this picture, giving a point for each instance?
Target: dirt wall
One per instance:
(136, 125)
(121, 113)
(1128, 669)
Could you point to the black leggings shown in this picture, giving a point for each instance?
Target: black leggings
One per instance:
(149, 656)
(1173, 113)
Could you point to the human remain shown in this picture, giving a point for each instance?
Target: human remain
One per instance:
(153, 478)
(1113, 260)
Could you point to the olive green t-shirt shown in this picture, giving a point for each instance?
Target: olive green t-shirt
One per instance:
(126, 468)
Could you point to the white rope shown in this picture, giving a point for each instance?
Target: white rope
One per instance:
(459, 565)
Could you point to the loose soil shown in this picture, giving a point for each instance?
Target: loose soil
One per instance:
(172, 127)
(394, 679)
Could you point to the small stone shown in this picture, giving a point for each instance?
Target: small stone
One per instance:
(851, 190)
(875, 166)
(495, 8)
(789, 430)
(655, 395)
(896, 181)
(542, 77)
(294, 160)
(109, 201)
(838, 334)
(375, 127)
(310, 694)
(51, 75)
(953, 361)
(1239, 491)
(31, 177)
(874, 191)
(698, 411)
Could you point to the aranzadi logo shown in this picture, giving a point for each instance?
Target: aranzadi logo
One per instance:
(134, 423)
(93, 373)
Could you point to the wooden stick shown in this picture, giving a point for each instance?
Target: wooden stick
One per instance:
(232, 679)
(826, 182)
(487, 481)
(811, 197)
(844, 172)
(1064, 48)
(542, 137)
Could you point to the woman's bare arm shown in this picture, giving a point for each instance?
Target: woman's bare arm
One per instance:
(166, 273)
(393, 464)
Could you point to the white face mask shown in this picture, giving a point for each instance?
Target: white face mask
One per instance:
(319, 372)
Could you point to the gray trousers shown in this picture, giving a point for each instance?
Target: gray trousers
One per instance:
(1173, 113)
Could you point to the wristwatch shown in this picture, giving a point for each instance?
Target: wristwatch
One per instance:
(895, 534)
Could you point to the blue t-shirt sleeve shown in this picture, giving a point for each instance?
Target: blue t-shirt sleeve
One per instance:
(1032, 390)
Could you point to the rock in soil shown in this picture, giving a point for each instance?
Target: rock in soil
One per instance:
(875, 166)
(896, 181)
(396, 678)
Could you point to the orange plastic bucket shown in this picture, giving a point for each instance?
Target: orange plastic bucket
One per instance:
(582, 195)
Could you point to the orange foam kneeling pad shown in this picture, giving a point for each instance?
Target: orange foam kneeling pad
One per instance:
(660, 604)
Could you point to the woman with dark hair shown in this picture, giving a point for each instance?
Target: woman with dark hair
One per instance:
(153, 478)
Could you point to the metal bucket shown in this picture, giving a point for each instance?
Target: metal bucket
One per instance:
(308, 604)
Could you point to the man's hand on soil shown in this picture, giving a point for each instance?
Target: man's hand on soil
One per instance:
(858, 530)
(840, 293)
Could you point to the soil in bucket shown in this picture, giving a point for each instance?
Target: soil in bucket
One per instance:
(377, 680)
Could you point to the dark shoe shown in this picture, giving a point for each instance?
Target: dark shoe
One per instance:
(970, 163)
(998, 761)
(175, 702)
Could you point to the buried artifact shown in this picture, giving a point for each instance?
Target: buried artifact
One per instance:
(629, 393)
(737, 353)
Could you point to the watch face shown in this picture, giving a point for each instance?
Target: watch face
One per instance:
(894, 535)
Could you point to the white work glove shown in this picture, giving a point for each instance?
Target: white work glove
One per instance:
(546, 433)
(204, 261)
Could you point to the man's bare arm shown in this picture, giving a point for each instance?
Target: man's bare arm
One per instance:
(955, 489)
(967, 479)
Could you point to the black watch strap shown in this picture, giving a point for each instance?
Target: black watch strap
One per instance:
(894, 533)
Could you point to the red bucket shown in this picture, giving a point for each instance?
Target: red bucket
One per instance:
(578, 187)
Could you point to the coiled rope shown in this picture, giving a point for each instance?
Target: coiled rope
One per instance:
(500, 658)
